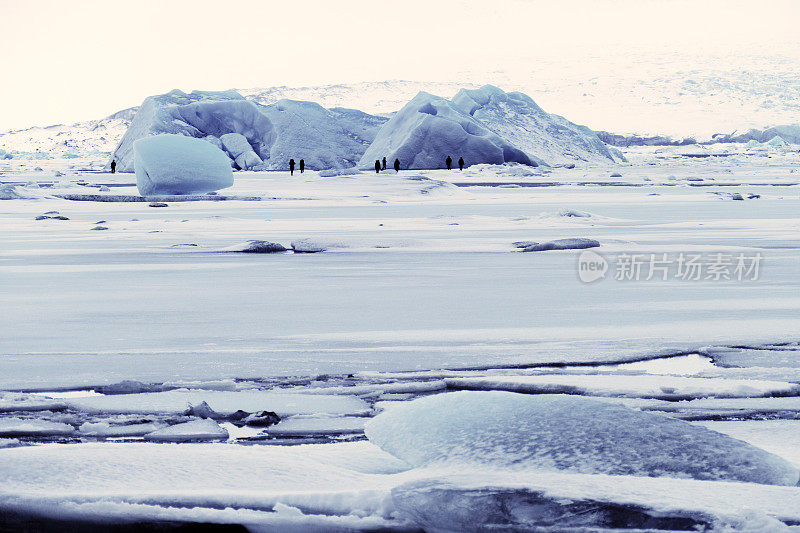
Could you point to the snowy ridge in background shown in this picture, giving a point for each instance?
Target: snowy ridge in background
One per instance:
(646, 93)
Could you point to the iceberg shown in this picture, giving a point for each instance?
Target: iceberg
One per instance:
(550, 433)
(517, 119)
(255, 136)
(175, 164)
(430, 128)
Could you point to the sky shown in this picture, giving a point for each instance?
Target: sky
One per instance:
(67, 60)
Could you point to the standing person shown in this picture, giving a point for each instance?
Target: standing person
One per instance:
(377, 166)
(460, 163)
(383, 165)
(291, 167)
(448, 162)
(302, 166)
(113, 166)
(397, 165)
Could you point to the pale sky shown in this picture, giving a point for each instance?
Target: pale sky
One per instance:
(66, 60)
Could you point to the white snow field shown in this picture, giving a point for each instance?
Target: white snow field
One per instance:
(281, 316)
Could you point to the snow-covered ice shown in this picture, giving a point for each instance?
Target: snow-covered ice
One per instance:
(194, 430)
(32, 427)
(566, 433)
(223, 402)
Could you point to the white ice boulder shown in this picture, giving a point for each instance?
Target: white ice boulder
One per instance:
(240, 151)
(430, 128)
(203, 429)
(566, 433)
(175, 164)
(517, 119)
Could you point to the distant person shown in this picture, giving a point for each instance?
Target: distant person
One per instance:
(377, 166)
(448, 162)
(291, 167)
(113, 166)
(383, 164)
(460, 163)
(302, 166)
(397, 165)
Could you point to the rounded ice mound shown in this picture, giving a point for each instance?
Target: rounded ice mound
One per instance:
(176, 164)
(550, 432)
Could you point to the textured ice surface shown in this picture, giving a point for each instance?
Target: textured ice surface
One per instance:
(194, 430)
(516, 118)
(223, 402)
(555, 432)
(176, 164)
(429, 128)
(634, 386)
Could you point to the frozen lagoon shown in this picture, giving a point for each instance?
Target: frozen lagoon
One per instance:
(418, 275)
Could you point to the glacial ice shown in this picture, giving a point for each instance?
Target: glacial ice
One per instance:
(240, 151)
(517, 119)
(429, 128)
(323, 138)
(256, 136)
(176, 164)
(565, 433)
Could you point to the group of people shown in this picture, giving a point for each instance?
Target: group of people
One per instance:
(449, 163)
(291, 166)
(379, 165)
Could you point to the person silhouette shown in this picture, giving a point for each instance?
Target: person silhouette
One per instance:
(397, 165)
(460, 163)
(113, 166)
(383, 164)
(448, 162)
(377, 166)
(291, 167)
(302, 166)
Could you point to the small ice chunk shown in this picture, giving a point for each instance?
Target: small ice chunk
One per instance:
(563, 244)
(105, 430)
(203, 429)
